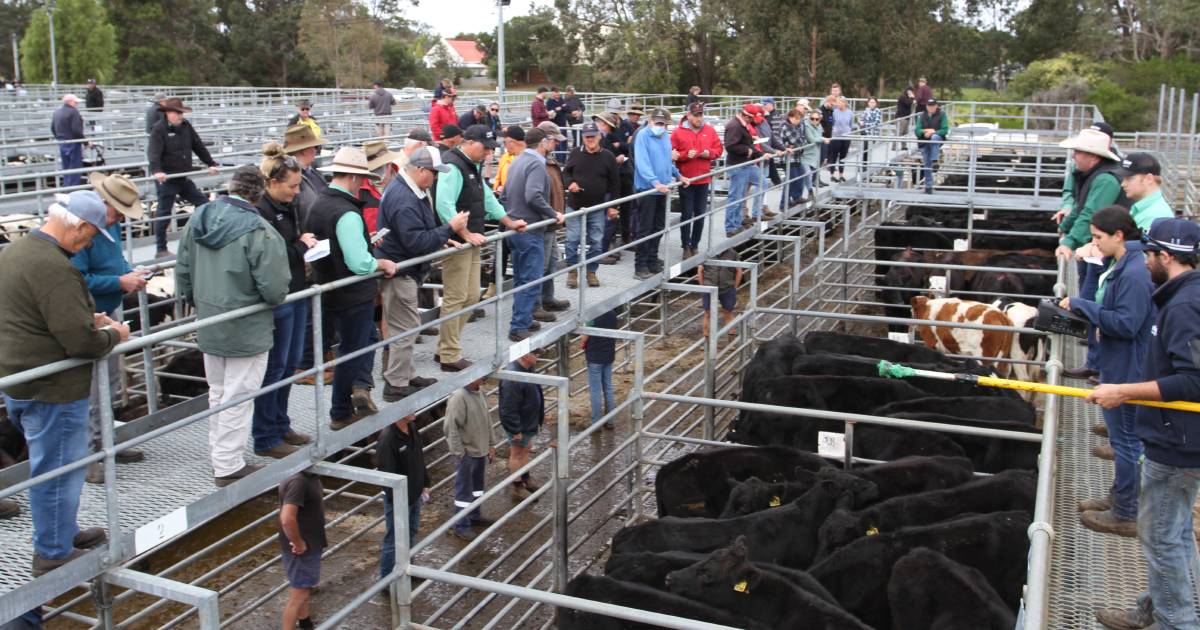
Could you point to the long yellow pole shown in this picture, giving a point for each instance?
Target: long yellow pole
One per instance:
(1079, 392)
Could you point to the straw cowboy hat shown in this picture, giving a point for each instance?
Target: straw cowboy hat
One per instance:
(119, 192)
(1091, 141)
(349, 161)
(299, 137)
(378, 153)
(173, 105)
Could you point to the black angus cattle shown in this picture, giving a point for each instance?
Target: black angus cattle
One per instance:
(785, 535)
(825, 342)
(159, 310)
(172, 389)
(1003, 492)
(1005, 409)
(726, 580)
(910, 475)
(698, 484)
(604, 589)
(995, 544)
(774, 358)
(988, 454)
(886, 443)
(928, 591)
(756, 495)
(851, 365)
(651, 568)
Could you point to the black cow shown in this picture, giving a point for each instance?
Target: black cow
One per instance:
(158, 308)
(698, 484)
(995, 544)
(726, 580)
(756, 495)
(988, 454)
(885, 443)
(172, 389)
(785, 535)
(651, 569)
(1006, 491)
(824, 342)
(604, 589)
(851, 365)
(911, 475)
(1006, 409)
(928, 591)
(773, 359)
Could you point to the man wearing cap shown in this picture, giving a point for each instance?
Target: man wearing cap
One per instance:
(452, 136)
(477, 115)
(1141, 179)
(1171, 438)
(230, 257)
(67, 127)
(592, 177)
(555, 107)
(653, 169)
(1098, 185)
(304, 116)
(414, 231)
(172, 143)
(514, 145)
(696, 144)
(462, 189)
(47, 315)
(557, 197)
(416, 140)
(381, 102)
(109, 277)
(300, 142)
(924, 93)
(337, 216)
(527, 198)
(522, 408)
(537, 111)
(742, 147)
(931, 127)
(94, 98)
(442, 113)
(154, 115)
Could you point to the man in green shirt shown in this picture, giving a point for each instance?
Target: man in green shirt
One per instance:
(461, 189)
(1141, 179)
(1068, 191)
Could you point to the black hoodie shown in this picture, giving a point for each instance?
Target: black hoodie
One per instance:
(1173, 437)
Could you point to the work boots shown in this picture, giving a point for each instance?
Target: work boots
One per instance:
(1104, 451)
(1106, 522)
(1119, 619)
(572, 279)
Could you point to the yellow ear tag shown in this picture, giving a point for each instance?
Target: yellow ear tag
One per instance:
(873, 531)
(742, 587)
(774, 502)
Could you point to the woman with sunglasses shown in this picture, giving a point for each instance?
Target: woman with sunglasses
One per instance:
(272, 428)
(304, 116)
(810, 155)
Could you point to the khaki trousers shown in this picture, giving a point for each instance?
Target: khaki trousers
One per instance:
(400, 309)
(460, 292)
(228, 430)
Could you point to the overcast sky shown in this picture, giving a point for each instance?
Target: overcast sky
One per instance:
(450, 17)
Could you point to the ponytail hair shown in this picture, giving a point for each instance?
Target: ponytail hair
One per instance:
(276, 164)
(1113, 219)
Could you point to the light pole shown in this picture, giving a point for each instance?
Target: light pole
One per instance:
(16, 59)
(500, 4)
(53, 56)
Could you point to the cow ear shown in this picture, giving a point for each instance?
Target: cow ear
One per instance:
(918, 301)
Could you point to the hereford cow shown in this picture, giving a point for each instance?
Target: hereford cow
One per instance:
(1026, 346)
(986, 344)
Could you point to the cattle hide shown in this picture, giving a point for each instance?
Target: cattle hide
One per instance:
(967, 407)
(1026, 346)
(886, 443)
(756, 495)
(986, 344)
(171, 389)
(987, 453)
(850, 365)
(928, 591)
(910, 475)
(604, 589)
(698, 484)
(824, 342)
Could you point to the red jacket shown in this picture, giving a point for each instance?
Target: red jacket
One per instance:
(537, 112)
(685, 139)
(439, 116)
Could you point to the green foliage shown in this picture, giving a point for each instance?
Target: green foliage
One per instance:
(85, 44)
(14, 15)
(1046, 28)
(404, 64)
(1047, 74)
(1122, 110)
(340, 38)
(1144, 77)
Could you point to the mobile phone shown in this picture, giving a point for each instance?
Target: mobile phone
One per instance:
(379, 235)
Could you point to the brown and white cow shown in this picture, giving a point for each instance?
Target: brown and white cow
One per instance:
(1025, 346)
(985, 344)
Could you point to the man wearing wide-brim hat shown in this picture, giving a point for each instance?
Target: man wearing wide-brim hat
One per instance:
(379, 161)
(300, 142)
(1097, 185)
(304, 116)
(109, 277)
(618, 138)
(173, 140)
(337, 217)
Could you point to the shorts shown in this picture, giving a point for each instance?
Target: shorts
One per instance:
(728, 299)
(526, 438)
(303, 571)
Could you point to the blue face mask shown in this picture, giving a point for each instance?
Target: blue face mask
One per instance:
(657, 130)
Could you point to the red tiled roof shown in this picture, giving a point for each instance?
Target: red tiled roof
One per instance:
(467, 49)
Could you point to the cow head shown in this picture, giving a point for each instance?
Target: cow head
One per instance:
(851, 491)
(724, 573)
(747, 497)
(840, 528)
(920, 307)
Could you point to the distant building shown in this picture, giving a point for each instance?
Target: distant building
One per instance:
(460, 53)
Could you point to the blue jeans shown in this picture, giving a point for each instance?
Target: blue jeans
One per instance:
(57, 434)
(365, 378)
(354, 326)
(1127, 450)
(167, 192)
(528, 261)
(595, 225)
(600, 387)
(1089, 283)
(271, 421)
(739, 180)
(651, 219)
(794, 186)
(929, 155)
(387, 553)
(72, 157)
(1165, 529)
(694, 203)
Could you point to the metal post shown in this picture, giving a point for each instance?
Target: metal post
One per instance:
(1170, 117)
(635, 422)
(1162, 99)
(53, 54)
(208, 612)
(147, 354)
(318, 378)
(104, 603)
(16, 60)
(562, 486)
(107, 438)
(1179, 124)
(1192, 135)
(500, 50)
(848, 445)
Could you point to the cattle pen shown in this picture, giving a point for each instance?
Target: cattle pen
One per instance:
(182, 558)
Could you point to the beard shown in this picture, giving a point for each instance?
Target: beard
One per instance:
(1158, 273)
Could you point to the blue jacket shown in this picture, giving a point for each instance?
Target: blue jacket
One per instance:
(522, 405)
(602, 349)
(414, 228)
(102, 264)
(653, 164)
(1124, 318)
(1172, 437)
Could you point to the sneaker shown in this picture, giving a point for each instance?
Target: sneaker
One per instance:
(129, 456)
(391, 393)
(534, 325)
(9, 508)
(542, 315)
(572, 279)
(456, 366)
(1119, 619)
(432, 331)
(342, 423)
(463, 534)
(279, 451)
(656, 267)
(42, 566)
(556, 305)
(1103, 451)
(611, 259)
(519, 335)
(476, 315)
(642, 274)
(1100, 429)
(360, 398)
(421, 381)
(1107, 522)
(592, 279)
(89, 538)
(1095, 505)
(241, 473)
(296, 439)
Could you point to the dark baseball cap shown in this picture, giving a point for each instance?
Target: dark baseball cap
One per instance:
(1102, 127)
(696, 108)
(1175, 235)
(534, 136)
(515, 132)
(481, 133)
(1139, 164)
(451, 131)
(589, 129)
(417, 133)
(932, 101)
